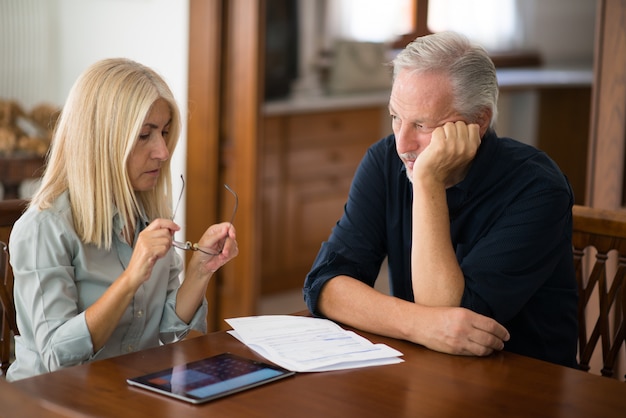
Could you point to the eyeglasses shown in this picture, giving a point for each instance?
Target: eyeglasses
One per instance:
(189, 246)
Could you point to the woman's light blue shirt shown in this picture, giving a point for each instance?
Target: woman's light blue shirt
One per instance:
(57, 277)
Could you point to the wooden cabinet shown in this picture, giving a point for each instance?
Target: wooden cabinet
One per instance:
(563, 132)
(307, 164)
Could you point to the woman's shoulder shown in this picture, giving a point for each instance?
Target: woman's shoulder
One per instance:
(59, 215)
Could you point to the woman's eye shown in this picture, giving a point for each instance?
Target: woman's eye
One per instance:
(144, 136)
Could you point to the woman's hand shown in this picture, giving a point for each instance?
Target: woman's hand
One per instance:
(153, 243)
(220, 242)
(218, 245)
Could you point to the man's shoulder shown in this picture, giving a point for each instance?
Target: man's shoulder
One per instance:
(511, 151)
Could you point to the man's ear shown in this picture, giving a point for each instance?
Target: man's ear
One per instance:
(483, 120)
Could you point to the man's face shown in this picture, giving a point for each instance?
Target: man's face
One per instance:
(419, 103)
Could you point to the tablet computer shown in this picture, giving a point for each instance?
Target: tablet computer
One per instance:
(210, 378)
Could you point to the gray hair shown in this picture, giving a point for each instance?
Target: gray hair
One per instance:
(471, 71)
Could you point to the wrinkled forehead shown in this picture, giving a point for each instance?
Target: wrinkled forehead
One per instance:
(423, 96)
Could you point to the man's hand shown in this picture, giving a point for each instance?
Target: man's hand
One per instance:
(463, 332)
(436, 276)
(451, 330)
(447, 158)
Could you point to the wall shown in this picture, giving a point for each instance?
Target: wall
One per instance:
(66, 36)
(561, 30)
(63, 37)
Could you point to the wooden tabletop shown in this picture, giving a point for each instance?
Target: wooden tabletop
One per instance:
(427, 384)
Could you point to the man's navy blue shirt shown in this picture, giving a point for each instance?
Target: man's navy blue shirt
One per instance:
(510, 224)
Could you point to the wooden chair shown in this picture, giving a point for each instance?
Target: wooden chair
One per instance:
(10, 211)
(599, 243)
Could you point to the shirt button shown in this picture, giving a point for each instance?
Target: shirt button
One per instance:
(139, 314)
(130, 349)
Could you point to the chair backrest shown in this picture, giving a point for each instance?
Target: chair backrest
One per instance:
(10, 211)
(599, 243)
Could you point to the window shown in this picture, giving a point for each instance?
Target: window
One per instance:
(369, 20)
(492, 23)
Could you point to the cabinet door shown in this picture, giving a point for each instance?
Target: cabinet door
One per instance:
(313, 209)
(309, 161)
(272, 193)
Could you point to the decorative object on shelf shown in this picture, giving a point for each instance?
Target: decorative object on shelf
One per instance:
(24, 141)
(23, 133)
(359, 66)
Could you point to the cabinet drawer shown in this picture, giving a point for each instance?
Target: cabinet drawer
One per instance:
(330, 127)
(316, 163)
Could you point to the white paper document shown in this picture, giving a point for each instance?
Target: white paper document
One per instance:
(305, 344)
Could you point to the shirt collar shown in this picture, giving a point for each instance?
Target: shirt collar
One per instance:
(118, 222)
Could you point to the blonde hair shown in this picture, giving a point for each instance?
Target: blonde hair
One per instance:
(96, 132)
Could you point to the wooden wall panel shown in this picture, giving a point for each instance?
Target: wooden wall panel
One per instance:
(605, 182)
(239, 144)
(222, 142)
(205, 27)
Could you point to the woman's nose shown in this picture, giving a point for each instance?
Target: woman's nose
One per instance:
(161, 152)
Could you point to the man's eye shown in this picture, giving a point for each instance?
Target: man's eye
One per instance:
(425, 129)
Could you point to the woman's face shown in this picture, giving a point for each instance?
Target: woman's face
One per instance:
(150, 150)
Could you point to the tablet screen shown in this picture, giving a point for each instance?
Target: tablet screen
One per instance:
(210, 378)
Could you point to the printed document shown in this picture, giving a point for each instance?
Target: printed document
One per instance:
(306, 344)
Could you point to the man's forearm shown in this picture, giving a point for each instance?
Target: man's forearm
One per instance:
(351, 302)
(435, 273)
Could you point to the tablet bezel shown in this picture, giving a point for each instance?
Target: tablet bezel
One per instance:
(147, 381)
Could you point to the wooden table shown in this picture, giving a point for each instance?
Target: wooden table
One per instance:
(427, 384)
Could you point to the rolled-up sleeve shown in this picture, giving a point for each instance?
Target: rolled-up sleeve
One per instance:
(172, 328)
(357, 244)
(57, 277)
(51, 326)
